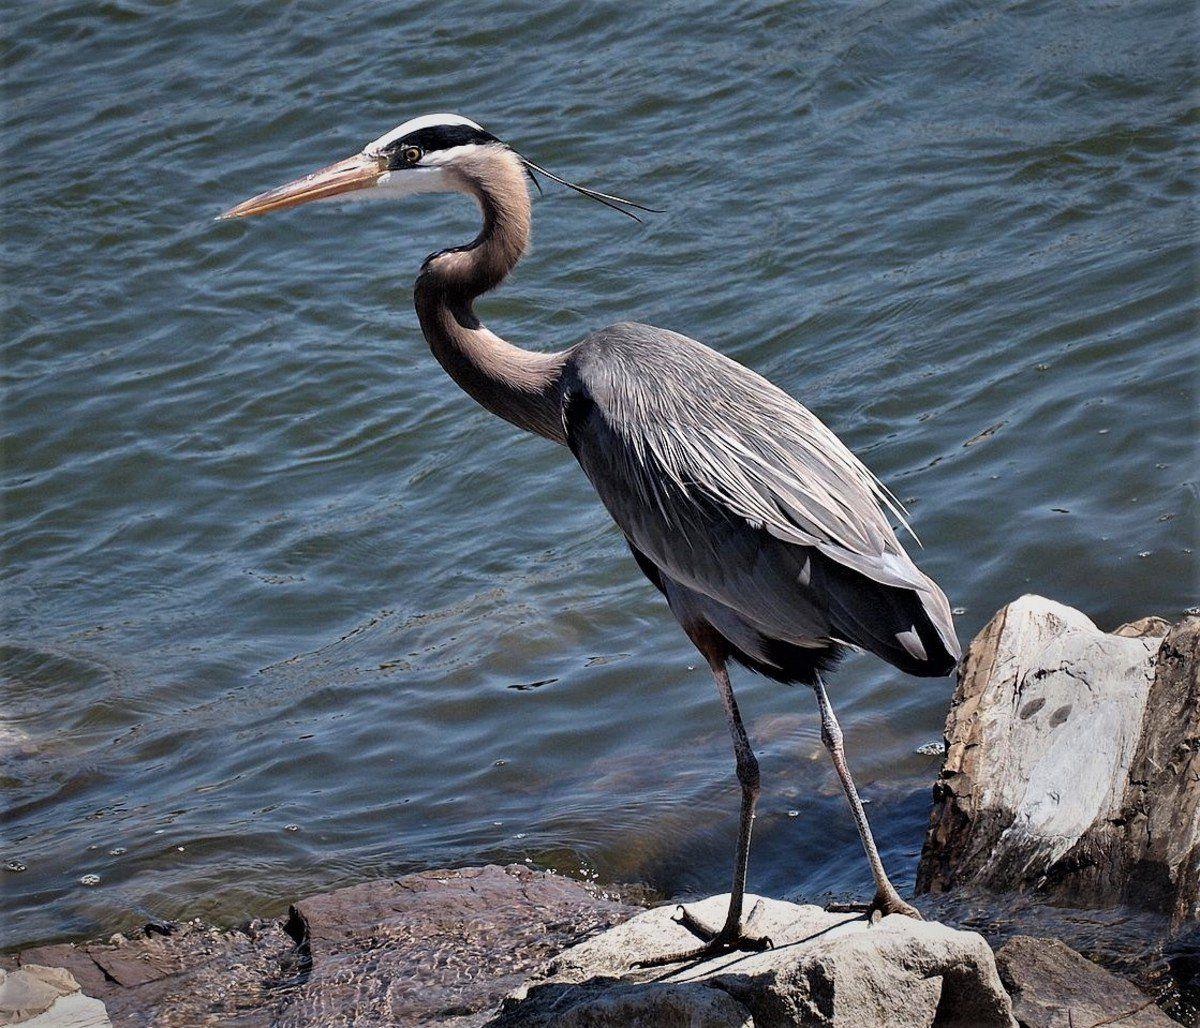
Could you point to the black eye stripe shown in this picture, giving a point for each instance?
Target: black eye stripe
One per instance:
(440, 137)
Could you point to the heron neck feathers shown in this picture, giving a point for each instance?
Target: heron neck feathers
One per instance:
(521, 386)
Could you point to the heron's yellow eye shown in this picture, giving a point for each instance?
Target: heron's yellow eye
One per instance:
(412, 154)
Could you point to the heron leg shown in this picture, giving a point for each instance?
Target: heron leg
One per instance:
(887, 900)
(734, 933)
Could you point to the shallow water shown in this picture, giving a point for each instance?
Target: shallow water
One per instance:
(283, 610)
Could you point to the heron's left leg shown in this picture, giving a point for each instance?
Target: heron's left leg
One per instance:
(734, 933)
(887, 899)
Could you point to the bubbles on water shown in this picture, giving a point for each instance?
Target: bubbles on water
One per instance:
(931, 749)
(499, 763)
(291, 828)
(793, 813)
(1145, 553)
(89, 879)
(116, 851)
(15, 866)
(958, 610)
(520, 835)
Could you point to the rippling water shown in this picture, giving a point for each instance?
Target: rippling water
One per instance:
(284, 610)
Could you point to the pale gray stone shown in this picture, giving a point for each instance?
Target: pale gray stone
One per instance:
(826, 970)
(1073, 762)
(47, 997)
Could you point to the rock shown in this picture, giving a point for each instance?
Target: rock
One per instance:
(82, 967)
(1152, 627)
(1073, 763)
(438, 945)
(131, 964)
(1052, 986)
(826, 969)
(191, 977)
(1158, 829)
(47, 997)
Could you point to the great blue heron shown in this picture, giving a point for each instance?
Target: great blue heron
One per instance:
(770, 540)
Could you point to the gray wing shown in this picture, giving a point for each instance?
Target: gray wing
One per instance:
(738, 493)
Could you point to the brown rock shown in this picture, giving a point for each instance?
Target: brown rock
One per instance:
(131, 964)
(1052, 986)
(1151, 626)
(436, 947)
(1163, 796)
(84, 969)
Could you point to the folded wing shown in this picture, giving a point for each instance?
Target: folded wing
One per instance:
(738, 493)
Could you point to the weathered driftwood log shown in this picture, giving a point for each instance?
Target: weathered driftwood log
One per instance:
(1073, 763)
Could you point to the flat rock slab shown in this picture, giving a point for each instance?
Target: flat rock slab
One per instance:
(440, 947)
(196, 975)
(1052, 986)
(437, 947)
(826, 970)
(1073, 762)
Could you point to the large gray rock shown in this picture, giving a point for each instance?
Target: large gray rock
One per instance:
(1073, 763)
(826, 971)
(1052, 986)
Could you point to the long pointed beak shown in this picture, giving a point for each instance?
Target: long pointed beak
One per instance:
(358, 172)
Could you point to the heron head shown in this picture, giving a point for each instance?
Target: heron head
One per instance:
(436, 153)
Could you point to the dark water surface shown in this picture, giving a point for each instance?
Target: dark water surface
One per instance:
(283, 610)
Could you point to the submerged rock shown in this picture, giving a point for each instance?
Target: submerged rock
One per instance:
(1073, 763)
(440, 947)
(826, 971)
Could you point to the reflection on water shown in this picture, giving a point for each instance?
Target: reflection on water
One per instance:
(284, 611)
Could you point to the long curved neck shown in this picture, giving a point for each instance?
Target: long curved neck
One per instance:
(518, 385)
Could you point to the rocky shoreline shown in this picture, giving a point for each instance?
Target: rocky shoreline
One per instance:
(1072, 778)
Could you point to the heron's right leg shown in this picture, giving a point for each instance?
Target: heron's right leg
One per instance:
(887, 899)
(734, 933)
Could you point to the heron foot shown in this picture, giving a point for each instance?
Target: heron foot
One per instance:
(715, 941)
(888, 901)
(885, 902)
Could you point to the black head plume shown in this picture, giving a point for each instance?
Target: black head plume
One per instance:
(617, 203)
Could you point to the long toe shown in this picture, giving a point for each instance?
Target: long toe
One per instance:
(693, 924)
(742, 938)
